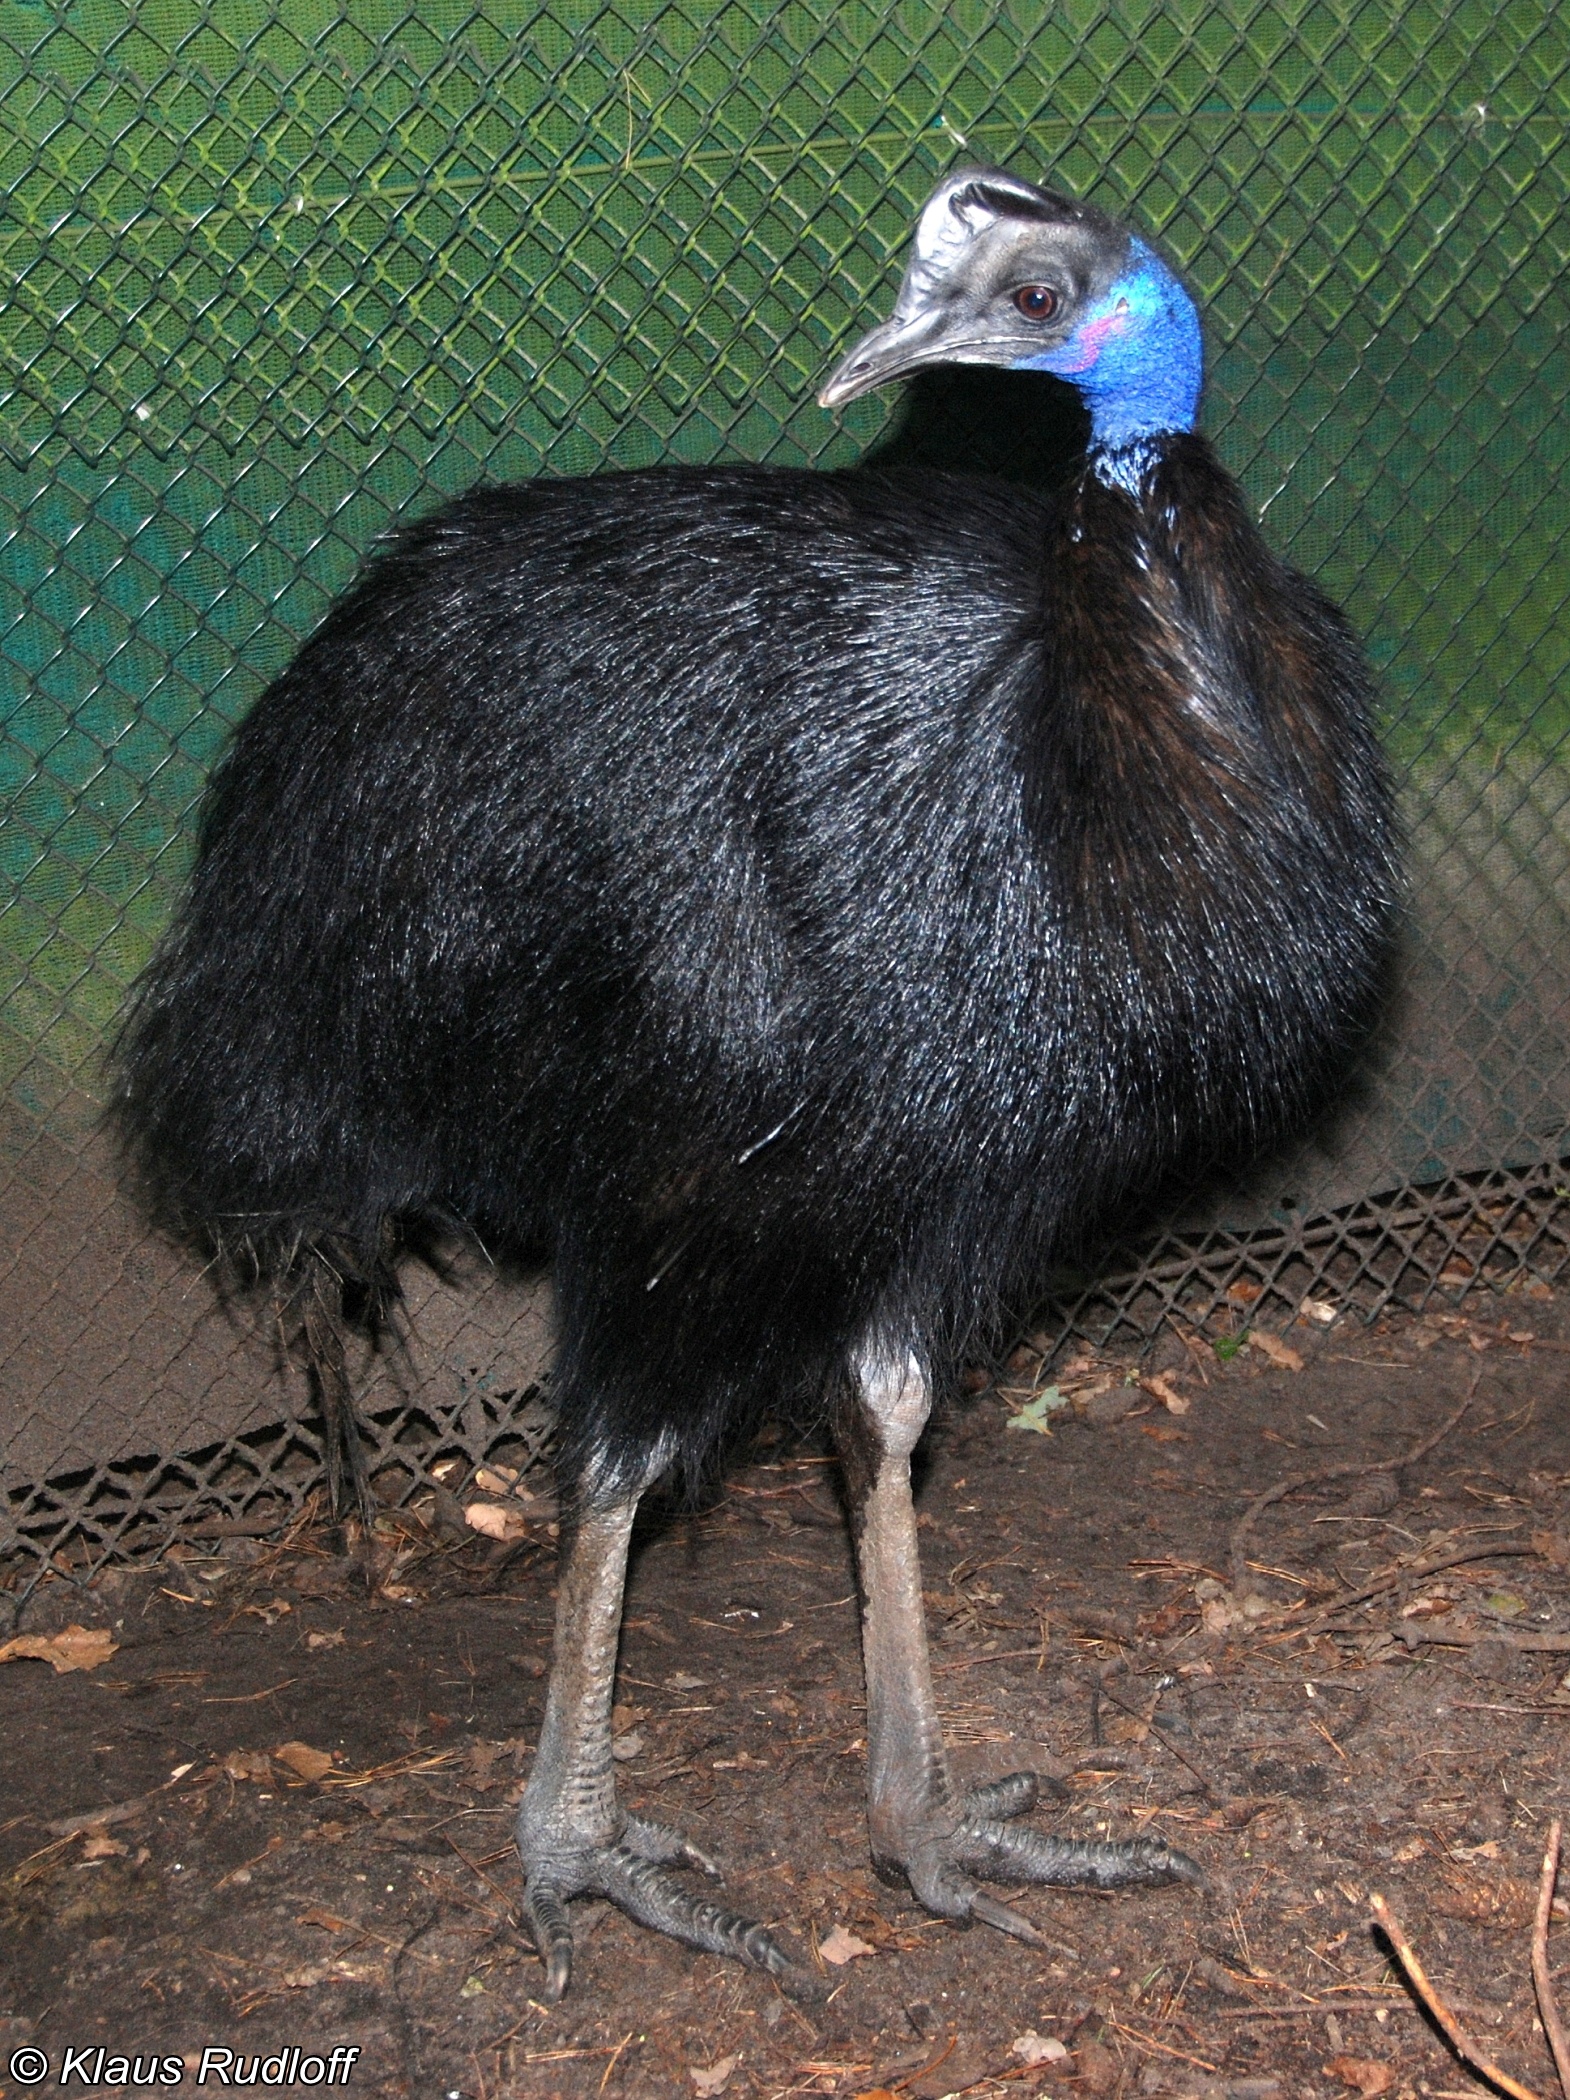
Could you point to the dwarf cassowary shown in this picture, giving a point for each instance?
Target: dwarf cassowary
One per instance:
(800, 903)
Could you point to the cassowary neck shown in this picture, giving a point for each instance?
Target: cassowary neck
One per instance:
(1143, 380)
(1155, 726)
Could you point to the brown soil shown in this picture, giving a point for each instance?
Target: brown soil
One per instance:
(170, 1884)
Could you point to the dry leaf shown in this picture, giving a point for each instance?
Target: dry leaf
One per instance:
(482, 1755)
(840, 1946)
(248, 1764)
(883, 1937)
(303, 1760)
(496, 1480)
(1217, 1615)
(307, 1977)
(1033, 2048)
(1160, 1387)
(1127, 1728)
(1504, 1604)
(328, 1920)
(1036, 1409)
(494, 1522)
(1281, 1354)
(75, 1648)
(1163, 1432)
(717, 2077)
(1158, 1624)
(98, 1846)
(269, 1613)
(1364, 2074)
(1430, 1607)
(326, 1640)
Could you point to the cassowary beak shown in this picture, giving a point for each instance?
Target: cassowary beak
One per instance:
(887, 352)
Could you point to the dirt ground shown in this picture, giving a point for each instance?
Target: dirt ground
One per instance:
(277, 1815)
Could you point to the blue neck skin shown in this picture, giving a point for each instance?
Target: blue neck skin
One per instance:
(1137, 360)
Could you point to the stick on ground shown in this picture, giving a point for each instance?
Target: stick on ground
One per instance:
(1439, 2012)
(1282, 1488)
(1547, 2005)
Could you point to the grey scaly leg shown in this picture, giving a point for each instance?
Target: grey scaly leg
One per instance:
(574, 1837)
(920, 1828)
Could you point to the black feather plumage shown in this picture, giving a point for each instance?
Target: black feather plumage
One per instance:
(800, 903)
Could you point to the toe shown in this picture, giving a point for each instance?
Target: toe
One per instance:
(657, 1841)
(1002, 1799)
(634, 1871)
(1002, 1854)
(648, 1892)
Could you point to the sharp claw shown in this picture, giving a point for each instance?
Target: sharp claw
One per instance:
(1183, 1868)
(991, 1912)
(702, 1861)
(552, 1937)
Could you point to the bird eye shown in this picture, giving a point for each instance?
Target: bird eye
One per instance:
(1037, 302)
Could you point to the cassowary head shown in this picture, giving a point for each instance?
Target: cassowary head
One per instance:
(1003, 273)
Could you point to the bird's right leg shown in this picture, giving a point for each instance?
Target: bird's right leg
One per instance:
(574, 1836)
(922, 1828)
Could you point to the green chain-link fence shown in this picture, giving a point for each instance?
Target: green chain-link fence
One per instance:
(279, 272)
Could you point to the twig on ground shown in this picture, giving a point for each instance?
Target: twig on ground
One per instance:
(37, 1863)
(1547, 2005)
(1165, 1741)
(616, 2056)
(1314, 2010)
(1467, 1637)
(1416, 1571)
(1438, 2011)
(1282, 1488)
(925, 2070)
(475, 1868)
(1149, 2041)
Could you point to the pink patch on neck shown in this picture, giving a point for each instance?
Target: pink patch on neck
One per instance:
(1087, 345)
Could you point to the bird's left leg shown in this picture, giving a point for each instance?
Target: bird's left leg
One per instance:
(574, 1836)
(920, 1827)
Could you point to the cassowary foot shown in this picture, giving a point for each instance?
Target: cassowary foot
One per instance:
(633, 1872)
(939, 1868)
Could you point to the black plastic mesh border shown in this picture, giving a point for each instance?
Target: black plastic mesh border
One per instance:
(1504, 1231)
(256, 1483)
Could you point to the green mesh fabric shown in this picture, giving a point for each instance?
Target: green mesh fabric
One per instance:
(280, 272)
